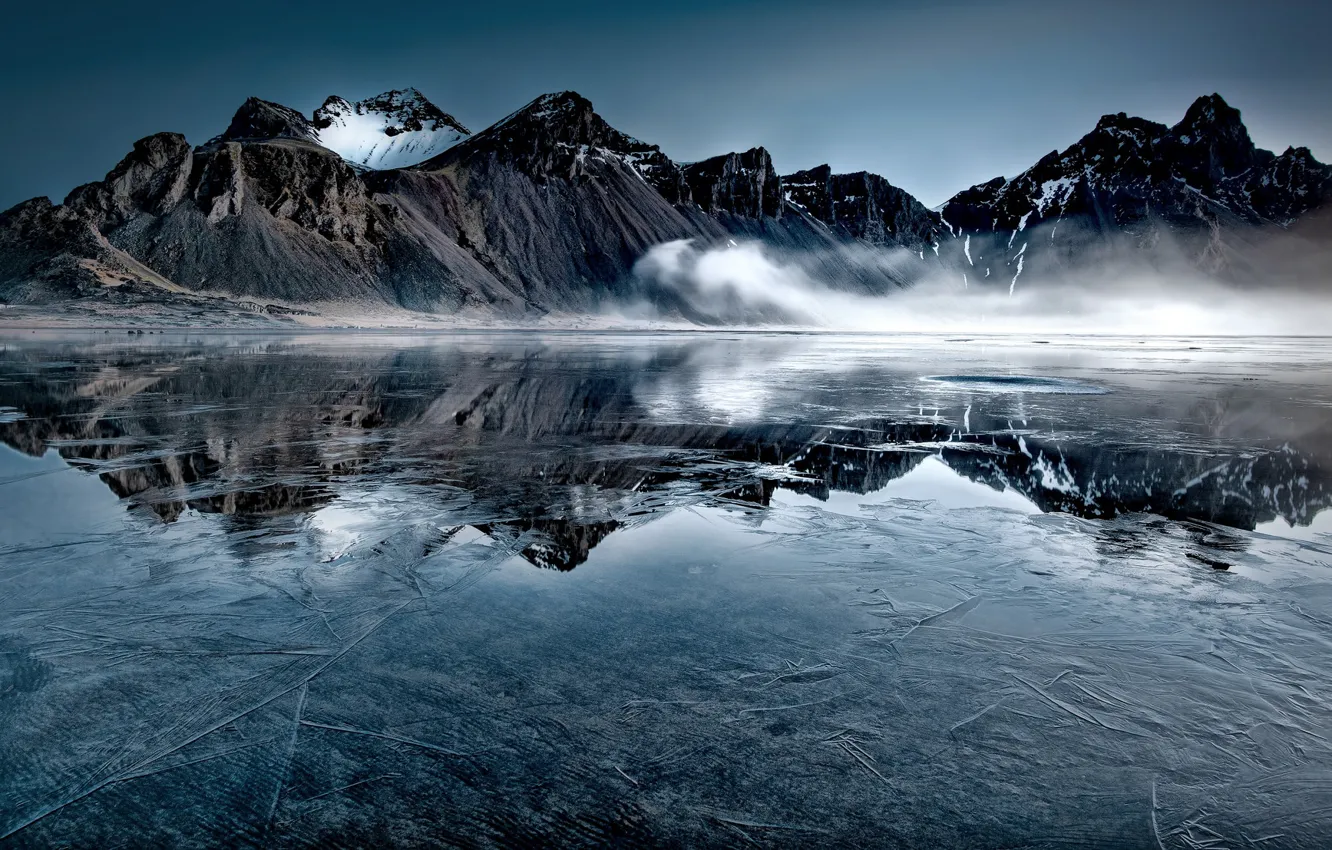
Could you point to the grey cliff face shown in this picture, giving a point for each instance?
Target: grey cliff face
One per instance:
(864, 206)
(154, 177)
(741, 183)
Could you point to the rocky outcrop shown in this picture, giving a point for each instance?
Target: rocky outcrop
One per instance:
(153, 178)
(50, 252)
(863, 206)
(742, 184)
(275, 221)
(262, 119)
(1286, 187)
(279, 220)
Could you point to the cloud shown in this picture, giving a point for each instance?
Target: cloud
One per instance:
(747, 284)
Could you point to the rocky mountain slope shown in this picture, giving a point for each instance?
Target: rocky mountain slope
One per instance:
(548, 210)
(1199, 193)
(390, 201)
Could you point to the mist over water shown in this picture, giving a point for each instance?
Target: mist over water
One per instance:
(746, 283)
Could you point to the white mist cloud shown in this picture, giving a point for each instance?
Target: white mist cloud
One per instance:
(719, 281)
(747, 284)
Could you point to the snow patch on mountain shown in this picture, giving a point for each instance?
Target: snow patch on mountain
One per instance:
(396, 129)
(1021, 257)
(1051, 192)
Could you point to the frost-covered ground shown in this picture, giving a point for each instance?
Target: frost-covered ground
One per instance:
(674, 589)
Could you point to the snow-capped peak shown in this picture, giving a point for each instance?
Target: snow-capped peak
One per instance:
(395, 129)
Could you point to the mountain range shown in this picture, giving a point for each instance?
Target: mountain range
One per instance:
(391, 202)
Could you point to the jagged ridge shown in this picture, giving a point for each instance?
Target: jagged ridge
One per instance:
(1141, 181)
(549, 208)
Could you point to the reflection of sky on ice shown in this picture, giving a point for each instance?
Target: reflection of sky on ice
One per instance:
(931, 481)
(1319, 529)
(85, 506)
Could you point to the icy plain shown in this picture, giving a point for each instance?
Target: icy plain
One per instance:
(676, 589)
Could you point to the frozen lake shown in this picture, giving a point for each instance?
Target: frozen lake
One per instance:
(681, 589)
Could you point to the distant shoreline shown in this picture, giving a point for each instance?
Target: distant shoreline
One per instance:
(955, 337)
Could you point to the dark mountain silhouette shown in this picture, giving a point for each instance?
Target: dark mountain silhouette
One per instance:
(1200, 194)
(390, 201)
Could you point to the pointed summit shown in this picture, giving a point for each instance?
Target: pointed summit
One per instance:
(561, 118)
(263, 119)
(1212, 143)
(561, 135)
(1209, 111)
(407, 107)
(398, 98)
(553, 107)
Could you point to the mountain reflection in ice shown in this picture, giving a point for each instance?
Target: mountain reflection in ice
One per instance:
(677, 589)
(929, 481)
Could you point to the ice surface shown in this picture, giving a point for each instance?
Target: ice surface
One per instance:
(1319, 529)
(1017, 383)
(712, 590)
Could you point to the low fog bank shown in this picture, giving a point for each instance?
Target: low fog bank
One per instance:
(749, 283)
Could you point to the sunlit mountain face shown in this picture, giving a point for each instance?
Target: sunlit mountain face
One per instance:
(663, 589)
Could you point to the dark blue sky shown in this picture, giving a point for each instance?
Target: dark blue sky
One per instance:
(934, 96)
